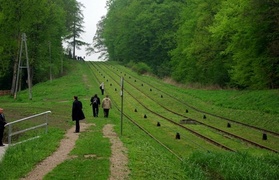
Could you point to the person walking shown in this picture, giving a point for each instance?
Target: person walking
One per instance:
(95, 103)
(2, 126)
(102, 87)
(106, 105)
(77, 113)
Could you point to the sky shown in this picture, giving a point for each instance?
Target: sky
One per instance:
(93, 11)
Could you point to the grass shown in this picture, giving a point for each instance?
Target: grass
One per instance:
(147, 158)
(20, 159)
(232, 166)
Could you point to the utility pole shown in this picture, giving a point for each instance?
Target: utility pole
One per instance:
(20, 66)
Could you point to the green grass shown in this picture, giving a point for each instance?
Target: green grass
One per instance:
(20, 159)
(147, 158)
(232, 166)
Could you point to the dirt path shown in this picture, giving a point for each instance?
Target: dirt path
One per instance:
(118, 160)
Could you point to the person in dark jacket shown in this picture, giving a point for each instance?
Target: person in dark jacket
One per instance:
(2, 126)
(77, 113)
(95, 103)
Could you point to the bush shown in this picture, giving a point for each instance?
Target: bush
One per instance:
(141, 68)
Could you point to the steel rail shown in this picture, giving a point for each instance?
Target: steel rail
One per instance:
(214, 115)
(217, 129)
(190, 130)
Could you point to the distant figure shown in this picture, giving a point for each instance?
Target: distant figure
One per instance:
(77, 113)
(102, 87)
(2, 126)
(95, 103)
(106, 105)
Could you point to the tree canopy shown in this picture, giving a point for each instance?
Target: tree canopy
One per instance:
(230, 43)
(46, 23)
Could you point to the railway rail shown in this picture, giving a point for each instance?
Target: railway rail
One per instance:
(188, 129)
(209, 126)
(214, 115)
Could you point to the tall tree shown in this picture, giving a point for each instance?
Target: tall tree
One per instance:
(141, 31)
(197, 58)
(98, 45)
(248, 26)
(44, 23)
(74, 25)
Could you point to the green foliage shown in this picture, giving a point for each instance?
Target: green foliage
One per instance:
(211, 42)
(45, 23)
(141, 68)
(74, 26)
(141, 31)
(247, 41)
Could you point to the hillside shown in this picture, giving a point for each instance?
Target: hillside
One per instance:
(153, 117)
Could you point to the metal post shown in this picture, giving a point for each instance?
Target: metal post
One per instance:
(10, 136)
(18, 68)
(122, 86)
(46, 117)
(28, 67)
(23, 40)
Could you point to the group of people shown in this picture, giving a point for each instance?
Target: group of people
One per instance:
(77, 112)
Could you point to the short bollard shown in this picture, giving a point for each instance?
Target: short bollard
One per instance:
(177, 136)
(264, 136)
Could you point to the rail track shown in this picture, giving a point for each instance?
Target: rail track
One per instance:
(200, 122)
(208, 113)
(215, 143)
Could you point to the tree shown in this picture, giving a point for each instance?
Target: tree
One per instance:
(44, 23)
(74, 26)
(98, 45)
(141, 31)
(248, 26)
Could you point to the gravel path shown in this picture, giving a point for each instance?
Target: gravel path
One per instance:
(119, 160)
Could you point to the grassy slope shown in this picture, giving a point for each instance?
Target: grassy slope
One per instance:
(147, 159)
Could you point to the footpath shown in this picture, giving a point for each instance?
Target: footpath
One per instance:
(2, 150)
(118, 161)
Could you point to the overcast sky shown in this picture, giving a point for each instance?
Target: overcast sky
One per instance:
(93, 11)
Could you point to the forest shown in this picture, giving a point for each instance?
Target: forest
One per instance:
(228, 43)
(47, 24)
(222, 43)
